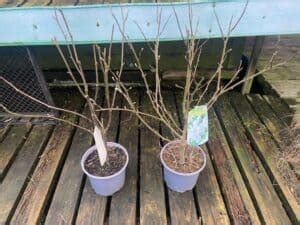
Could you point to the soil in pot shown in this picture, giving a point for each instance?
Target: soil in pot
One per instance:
(116, 159)
(193, 158)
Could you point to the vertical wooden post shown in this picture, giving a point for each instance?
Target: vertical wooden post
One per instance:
(256, 50)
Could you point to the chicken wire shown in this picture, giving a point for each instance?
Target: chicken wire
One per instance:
(18, 66)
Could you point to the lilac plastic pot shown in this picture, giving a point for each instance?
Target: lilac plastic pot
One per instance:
(177, 181)
(108, 185)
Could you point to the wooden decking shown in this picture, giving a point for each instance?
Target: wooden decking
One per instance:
(42, 182)
(285, 80)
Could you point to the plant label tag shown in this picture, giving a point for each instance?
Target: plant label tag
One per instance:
(197, 128)
(100, 145)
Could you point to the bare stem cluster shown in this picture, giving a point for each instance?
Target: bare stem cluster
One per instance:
(196, 89)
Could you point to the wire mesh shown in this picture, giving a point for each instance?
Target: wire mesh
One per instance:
(18, 66)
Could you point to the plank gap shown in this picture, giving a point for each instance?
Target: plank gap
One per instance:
(30, 174)
(245, 179)
(4, 131)
(56, 177)
(197, 206)
(79, 199)
(167, 202)
(108, 202)
(219, 183)
(15, 153)
(107, 210)
(286, 205)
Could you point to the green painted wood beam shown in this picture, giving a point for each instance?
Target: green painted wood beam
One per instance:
(93, 23)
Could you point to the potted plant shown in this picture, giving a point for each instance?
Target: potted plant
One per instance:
(182, 157)
(105, 162)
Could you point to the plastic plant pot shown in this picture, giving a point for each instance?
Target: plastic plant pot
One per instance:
(180, 182)
(106, 186)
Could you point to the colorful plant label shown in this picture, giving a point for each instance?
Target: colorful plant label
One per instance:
(197, 132)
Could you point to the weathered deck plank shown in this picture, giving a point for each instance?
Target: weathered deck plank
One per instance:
(10, 146)
(92, 206)
(3, 132)
(152, 198)
(128, 195)
(10, 3)
(30, 3)
(63, 2)
(267, 116)
(269, 205)
(34, 199)
(115, 1)
(12, 185)
(274, 125)
(266, 149)
(89, 2)
(64, 203)
(280, 108)
(210, 200)
(283, 112)
(241, 208)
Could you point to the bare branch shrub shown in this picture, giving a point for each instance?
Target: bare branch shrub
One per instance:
(196, 89)
(102, 59)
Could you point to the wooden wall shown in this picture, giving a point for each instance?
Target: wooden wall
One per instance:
(172, 56)
(286, 79)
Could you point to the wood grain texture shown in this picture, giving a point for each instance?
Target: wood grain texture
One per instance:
(182, 205)
(63, 2)
(3, 132)
(266, 149)
(92, 206)
(115, 1)
(142, 1)
(10, 146)
(90, 2)
(36, 194)
(266, 115)
(284, 80)
(29, 3)
(239, 203)
(63, 205)
(172, 57)
(10, 3)
(209, 196)
(18, 174)
(256, 50)
(280, 108)
(123, 203)
(262, 189)
(152, 198)
(275, 127)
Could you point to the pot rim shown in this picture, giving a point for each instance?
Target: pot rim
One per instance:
(92, 149)
(180, 173)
